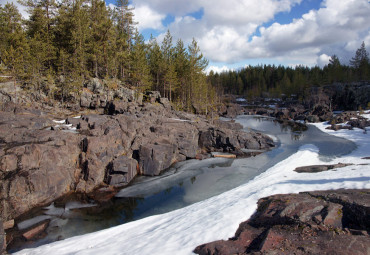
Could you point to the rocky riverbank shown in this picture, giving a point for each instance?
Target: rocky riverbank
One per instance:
(47, 152)
(320, 222)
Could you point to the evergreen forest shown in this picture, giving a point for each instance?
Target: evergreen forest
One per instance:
(277, 81)
(67, 42)
(64, 43)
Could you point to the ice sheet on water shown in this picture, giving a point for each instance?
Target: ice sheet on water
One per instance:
(33, 221)
(77, 205)
(180, 231)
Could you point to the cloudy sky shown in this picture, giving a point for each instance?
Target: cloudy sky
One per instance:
(236, 33)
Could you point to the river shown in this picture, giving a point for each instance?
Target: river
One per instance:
(184, 184)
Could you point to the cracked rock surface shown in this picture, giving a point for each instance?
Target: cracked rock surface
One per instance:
(319, 222)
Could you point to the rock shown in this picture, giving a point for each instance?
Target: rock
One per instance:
(224, 140)
(121, 171)
(95, 86)
(153, 96)
(2, 238)
(305, 223)
(40, 162)
(117, 107)
(154, 158)
(319, 168)
(312, 119)
(233, 110)
(125, 94)
(36, 231)
(8, 224)
(86, 98)
(165, 102)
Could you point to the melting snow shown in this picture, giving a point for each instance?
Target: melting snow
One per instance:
(180, 231)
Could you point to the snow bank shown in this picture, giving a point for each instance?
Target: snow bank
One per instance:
(180, 231)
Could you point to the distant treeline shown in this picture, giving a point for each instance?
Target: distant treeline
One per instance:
(66, 42)
(275, 81)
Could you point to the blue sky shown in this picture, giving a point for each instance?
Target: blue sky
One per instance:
(236, 33)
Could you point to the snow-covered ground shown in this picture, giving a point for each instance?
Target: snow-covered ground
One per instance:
(180, 231)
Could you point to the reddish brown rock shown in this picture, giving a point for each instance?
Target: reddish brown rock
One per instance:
(321, 222)
(40, 162)
(35, 231)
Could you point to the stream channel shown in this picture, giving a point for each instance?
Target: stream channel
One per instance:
(184, 184)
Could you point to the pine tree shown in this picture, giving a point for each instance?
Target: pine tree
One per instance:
(182, 65)
(125, 32)
(140, 68)
(155, 62)
(14, 49)
(196, 75)
(167, 52)
(100, 26)
(40, 28)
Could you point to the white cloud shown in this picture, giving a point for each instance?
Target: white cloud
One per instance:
(218, 69)
(225, 31)
(148, 18)
(235, 30)
(323, 60)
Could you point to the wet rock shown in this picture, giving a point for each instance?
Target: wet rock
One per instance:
(305, 223)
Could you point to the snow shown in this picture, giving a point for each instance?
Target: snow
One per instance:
(59, 121)
(180, 120)
(180, 231)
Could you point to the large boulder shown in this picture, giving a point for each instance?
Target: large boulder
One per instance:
(121, 171)
(225, 140)
(154, 158)
(321, 222)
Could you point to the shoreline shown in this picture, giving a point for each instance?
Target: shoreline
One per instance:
(220, 215)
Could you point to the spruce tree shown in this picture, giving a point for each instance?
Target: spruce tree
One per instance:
(361, 62)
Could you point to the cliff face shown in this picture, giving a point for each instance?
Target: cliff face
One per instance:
(320, 222)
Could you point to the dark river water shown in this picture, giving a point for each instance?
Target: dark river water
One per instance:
(184, 184)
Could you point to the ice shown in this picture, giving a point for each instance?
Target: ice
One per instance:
(59, 121)
(30, 222)
(180, 231)
(77, 205)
